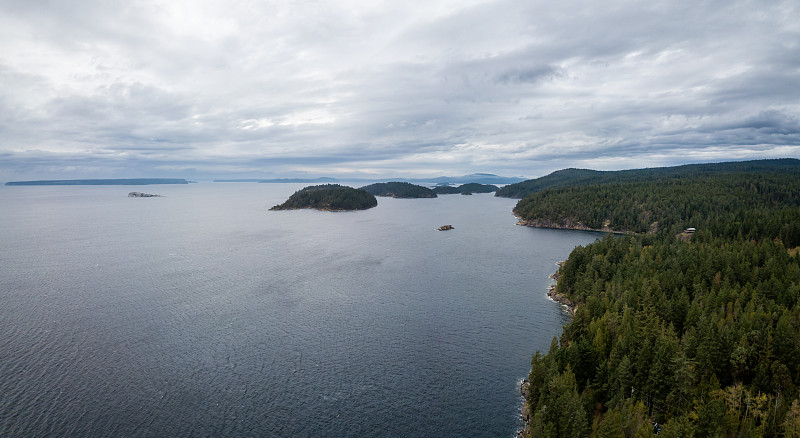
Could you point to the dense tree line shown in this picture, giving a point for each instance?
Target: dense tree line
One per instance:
(559, 178)
(332, 197)
(399, 190)
(725, 204)
(468, 188)
(701, 337)
(584, 177)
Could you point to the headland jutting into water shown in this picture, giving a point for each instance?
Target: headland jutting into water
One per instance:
(686, 326)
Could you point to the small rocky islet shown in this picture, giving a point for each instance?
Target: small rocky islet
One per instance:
(143, 195)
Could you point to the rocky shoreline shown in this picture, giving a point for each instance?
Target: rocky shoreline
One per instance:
(567, 224)
(524, 387)
(562, 299)
(524, 391)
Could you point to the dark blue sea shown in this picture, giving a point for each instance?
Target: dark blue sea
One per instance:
(201, 313)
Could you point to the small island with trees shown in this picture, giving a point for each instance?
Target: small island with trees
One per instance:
(398, 189)
(465, 189)
(329, 197)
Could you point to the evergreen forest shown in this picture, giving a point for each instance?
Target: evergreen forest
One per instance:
(677, 332)
(399, 190)
(329, 197)
(468, 188)
(585, 177)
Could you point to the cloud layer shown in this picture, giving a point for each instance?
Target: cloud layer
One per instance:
(351, 88)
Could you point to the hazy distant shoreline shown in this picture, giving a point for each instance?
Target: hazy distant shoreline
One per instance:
(99, 182)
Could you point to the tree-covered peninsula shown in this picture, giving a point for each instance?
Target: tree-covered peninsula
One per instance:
(468, 188)
(727, 204)
(585, 177)
(329, 197)
(687, 328)
(399, 190)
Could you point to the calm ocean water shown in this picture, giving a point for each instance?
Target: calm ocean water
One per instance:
(203, 314)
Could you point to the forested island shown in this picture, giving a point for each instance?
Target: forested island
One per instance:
(687, 326)
(99, 182)
(329, 197)
(465, 189)
(397, 189)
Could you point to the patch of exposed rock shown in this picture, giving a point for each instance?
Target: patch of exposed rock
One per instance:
(557, 297)
(142, 195)
(567, 224)
(554, 276)
(561, 299)
(524, 390)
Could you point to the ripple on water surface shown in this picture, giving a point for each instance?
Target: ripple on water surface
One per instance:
(203, 314)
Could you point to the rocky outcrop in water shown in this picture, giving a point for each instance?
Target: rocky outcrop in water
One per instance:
(445, 228)
(142, 195)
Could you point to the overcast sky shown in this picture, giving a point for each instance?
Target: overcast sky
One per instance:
(203, 89)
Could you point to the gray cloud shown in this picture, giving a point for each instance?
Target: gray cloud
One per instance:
(220, 89)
